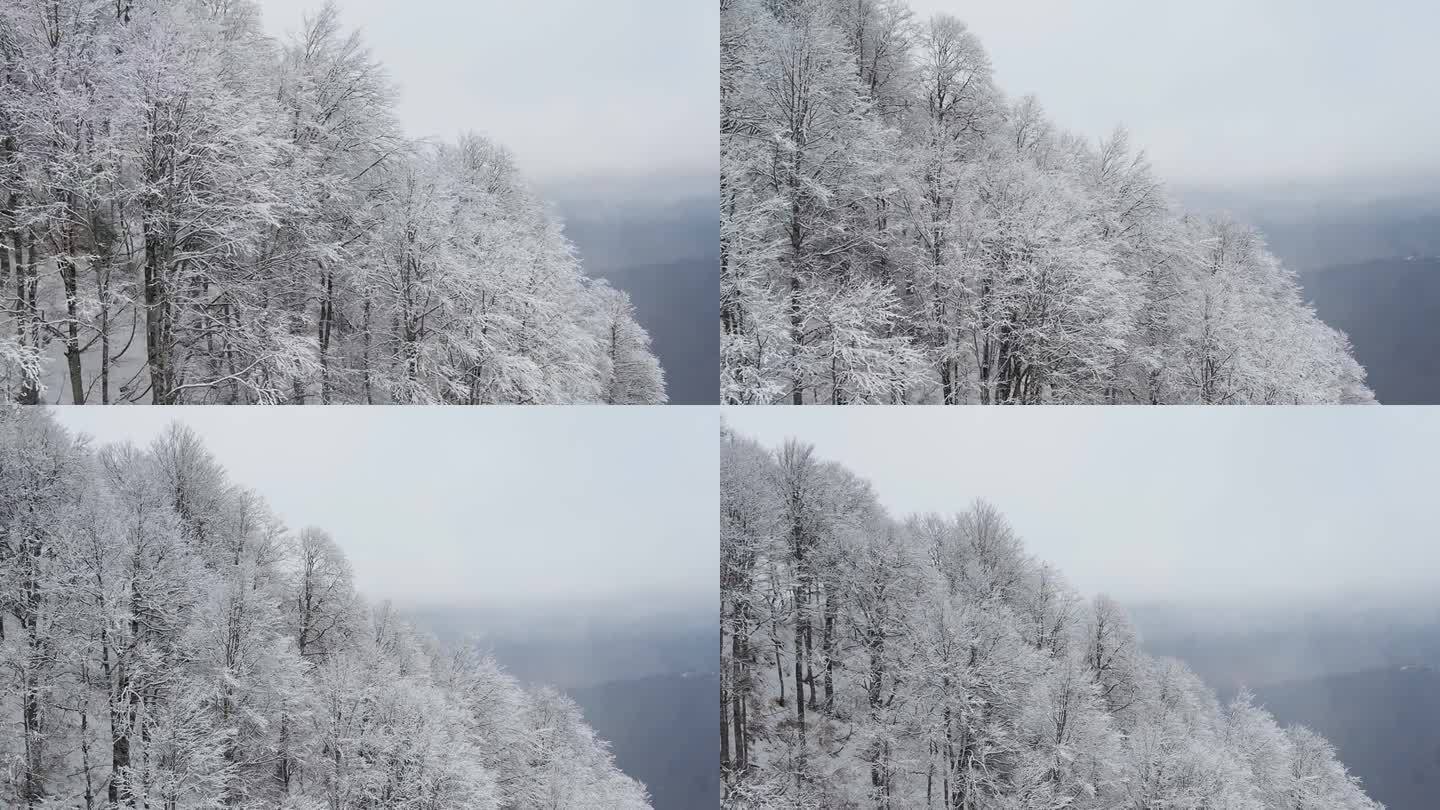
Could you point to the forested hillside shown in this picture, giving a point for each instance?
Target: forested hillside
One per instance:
(193, 213)
(894, 229)
(870, 661)
(165, 642)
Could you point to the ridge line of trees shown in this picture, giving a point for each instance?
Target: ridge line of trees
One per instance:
(895, 230)
(191, 212)
(871, 661)
(165, 642)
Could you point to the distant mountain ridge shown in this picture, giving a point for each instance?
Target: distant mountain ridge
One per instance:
(575, 651)
(1258, 647)
(1382, 722)
(1390, 309)
(663, 731)
(645, 680)
(1365, 676)
(664, 252)
(1313, 228)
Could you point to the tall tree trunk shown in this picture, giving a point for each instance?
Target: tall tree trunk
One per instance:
(797, 391)
(800, 688)
(827, 648)
(779, 661)
(85, 759)
(27, 320)
(157, 330)
(119, 753)
(726, 691)
(283, 768)
(69, 277)
(326, 324)
(102, 291)
(5, 263)
(797, 323)
(365, 354)
(879, 771)
(740, 684)
(115, 683)
(28, 609)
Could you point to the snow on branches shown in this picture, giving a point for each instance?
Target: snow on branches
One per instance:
(166, 642)
(862, 148)
(190, 213)
(875, 662)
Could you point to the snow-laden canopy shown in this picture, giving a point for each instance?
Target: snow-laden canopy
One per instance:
(166, 642)
(190, 213)
(929, 661)
(895, 230)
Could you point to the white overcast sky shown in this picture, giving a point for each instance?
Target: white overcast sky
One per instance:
(497, 506)
(1229, 91)
(1164, 504)
(574, 88)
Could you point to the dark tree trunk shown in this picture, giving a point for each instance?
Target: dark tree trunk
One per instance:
(365, 356)
(69, 278)
(800, 684)
(102, 289)
(157, 329)
(327, 315)
(827, 648)
(726, 690)
(27, 315)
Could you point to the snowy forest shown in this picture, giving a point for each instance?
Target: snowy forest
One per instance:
(166, 642)
(895, 230)
(870, 661)
(192, 212)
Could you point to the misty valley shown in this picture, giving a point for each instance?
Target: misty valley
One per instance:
(1364, 673)
(1367, 254)
(644, 679)
(657, 242)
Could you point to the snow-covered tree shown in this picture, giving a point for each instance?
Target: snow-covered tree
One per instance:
(191, 212)
(166, 642)
(930, 661)
(631, 373)
(894, 230)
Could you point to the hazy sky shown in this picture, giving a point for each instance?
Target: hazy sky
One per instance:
(572, 87)
(478, 505)
(1166, 503)
(1229, 90)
